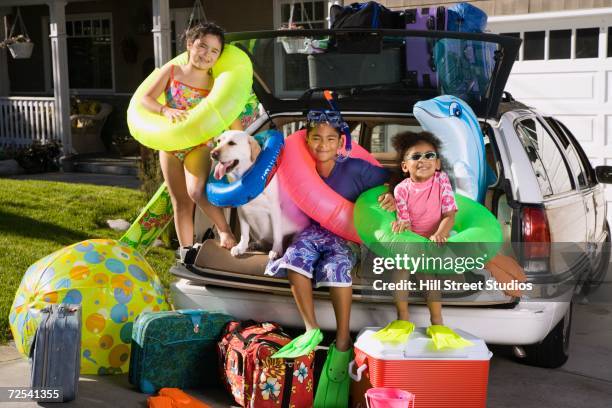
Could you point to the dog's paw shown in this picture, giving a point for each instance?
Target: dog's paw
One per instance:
(237, 250)
(272, 255)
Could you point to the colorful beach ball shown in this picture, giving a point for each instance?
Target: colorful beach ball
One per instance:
(112, 282)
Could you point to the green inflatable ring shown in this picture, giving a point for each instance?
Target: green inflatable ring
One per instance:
(476, 229)
(233, 75)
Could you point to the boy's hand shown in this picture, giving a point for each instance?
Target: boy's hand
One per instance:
(400, 226)
(387, 202)
(175, 115)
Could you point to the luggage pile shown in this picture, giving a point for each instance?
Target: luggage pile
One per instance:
(195, 349)
(458, 67)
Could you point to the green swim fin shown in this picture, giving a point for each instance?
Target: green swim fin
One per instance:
(397, 331)
(443, 336)
(301, 345)
(334, 383)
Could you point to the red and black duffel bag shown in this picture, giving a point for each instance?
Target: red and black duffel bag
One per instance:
(257, 380)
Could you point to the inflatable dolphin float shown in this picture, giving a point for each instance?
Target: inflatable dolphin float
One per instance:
(456, 125)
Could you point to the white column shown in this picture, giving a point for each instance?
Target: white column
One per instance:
(5, 85)
(161, 32)
(59, 60)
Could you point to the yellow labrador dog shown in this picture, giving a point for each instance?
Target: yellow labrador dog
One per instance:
(271, 216)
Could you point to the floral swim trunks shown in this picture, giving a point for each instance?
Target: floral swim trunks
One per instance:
(181, 154)
(319, 255)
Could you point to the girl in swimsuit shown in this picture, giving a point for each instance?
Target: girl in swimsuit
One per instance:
(186, 171)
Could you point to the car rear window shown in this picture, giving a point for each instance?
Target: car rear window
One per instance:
(383, 134)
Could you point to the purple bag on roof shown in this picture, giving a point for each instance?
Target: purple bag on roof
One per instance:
(420, 67)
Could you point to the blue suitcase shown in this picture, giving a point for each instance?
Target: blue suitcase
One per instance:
(465, 67)
(176, 349)
(56, 351)
(465, 18)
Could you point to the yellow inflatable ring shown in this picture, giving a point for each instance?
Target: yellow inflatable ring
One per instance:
(233, 75)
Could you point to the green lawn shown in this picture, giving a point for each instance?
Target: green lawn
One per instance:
(40, 217)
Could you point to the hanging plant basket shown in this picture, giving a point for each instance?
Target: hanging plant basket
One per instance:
(294, 45)
(19, 45)
(21, 50)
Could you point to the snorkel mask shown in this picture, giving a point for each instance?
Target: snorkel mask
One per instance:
(334, 118)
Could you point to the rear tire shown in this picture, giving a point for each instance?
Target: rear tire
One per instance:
(553, 351)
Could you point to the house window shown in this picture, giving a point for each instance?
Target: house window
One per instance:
(587, 42)
(291, 70)
(533, 45)
(306, 14)
(90, 45)
(560, 44)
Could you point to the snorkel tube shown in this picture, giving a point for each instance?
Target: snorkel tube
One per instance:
(344, 127)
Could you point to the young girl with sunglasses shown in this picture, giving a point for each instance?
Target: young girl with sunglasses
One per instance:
(426, 206)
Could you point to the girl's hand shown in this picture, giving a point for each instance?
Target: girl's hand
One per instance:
(387, 202)
(439, 238)
(174, 115)
(227, 240)
(400, 226)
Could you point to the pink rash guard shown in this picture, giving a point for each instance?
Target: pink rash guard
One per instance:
(423, 204)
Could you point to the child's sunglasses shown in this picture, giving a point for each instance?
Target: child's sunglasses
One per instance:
(426, 156)
(334, 118)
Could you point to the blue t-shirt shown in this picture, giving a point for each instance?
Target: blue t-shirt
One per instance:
(353, 176)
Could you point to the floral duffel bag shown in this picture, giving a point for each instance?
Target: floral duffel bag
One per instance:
(254, 378)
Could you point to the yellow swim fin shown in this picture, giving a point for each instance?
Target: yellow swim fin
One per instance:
(445, 337)
(397, 331)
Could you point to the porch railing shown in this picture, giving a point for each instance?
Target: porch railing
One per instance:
(24, 120)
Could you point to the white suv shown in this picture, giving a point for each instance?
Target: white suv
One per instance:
(547, 198)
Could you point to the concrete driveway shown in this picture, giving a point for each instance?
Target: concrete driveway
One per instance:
(584, 381)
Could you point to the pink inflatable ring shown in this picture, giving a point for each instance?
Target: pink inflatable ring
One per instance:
(299, 178)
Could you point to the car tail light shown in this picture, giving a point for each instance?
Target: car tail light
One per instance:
(536, 234)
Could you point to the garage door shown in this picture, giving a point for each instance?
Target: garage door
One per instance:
(565, 69)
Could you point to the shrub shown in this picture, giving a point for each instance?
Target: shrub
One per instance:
(38, 157)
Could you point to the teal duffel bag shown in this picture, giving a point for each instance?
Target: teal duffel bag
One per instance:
(176, 349)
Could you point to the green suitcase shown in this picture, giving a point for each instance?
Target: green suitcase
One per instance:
(176, 349)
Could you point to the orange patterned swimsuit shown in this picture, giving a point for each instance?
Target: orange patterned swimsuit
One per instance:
(184, 97)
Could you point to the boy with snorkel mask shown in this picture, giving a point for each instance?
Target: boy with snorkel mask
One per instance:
(318, 257)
